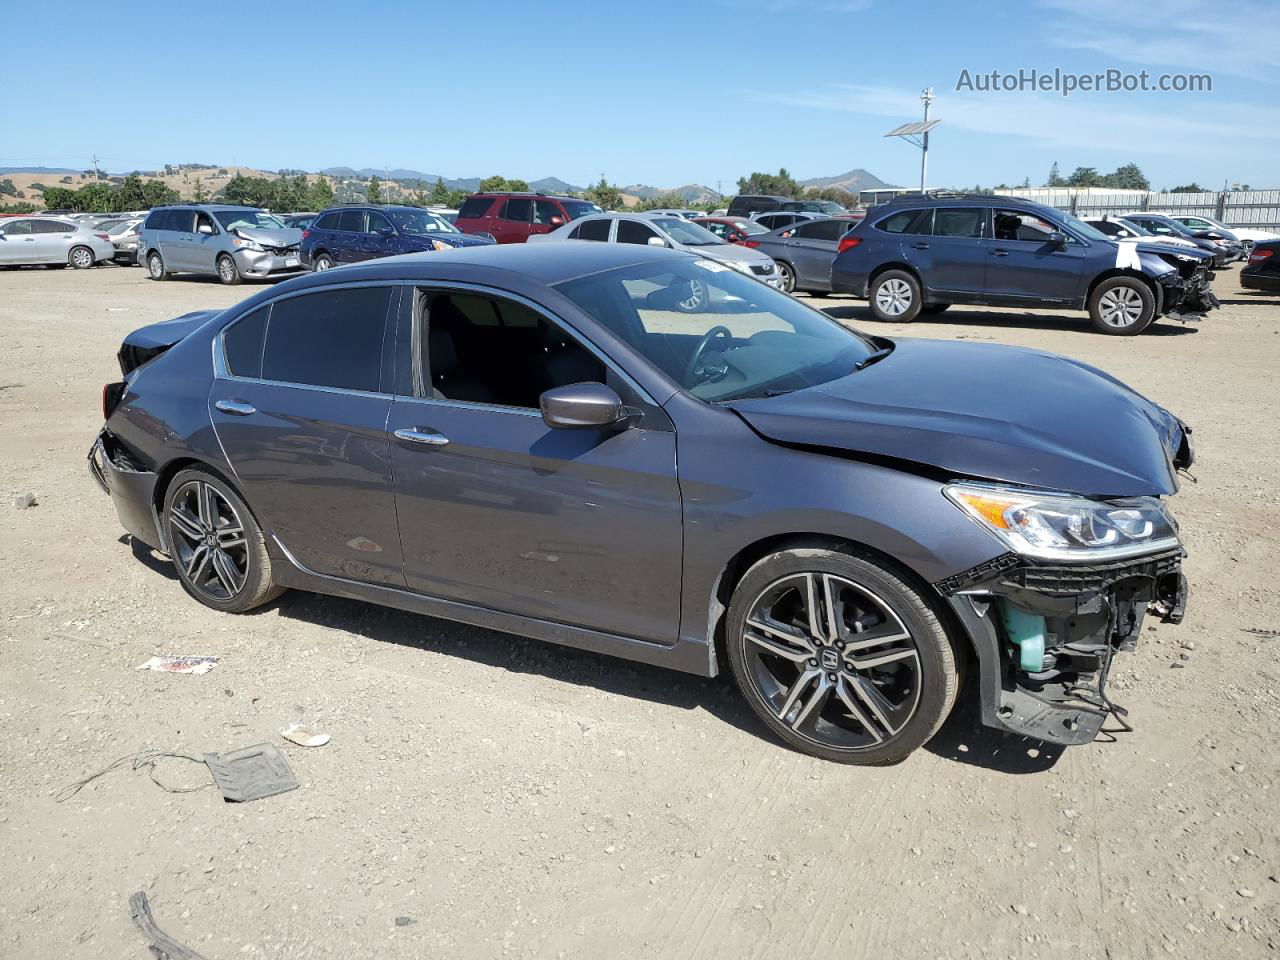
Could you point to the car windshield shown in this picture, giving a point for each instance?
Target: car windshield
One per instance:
(579, 208)
(750, 227)
(123, 227)
(231, 219)
(1129, 224)
(420, 222)
(690, 234)
(1082, 228)
(716, 332)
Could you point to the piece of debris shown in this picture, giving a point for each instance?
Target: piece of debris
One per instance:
(404, 921)
(251, 774)
(159, 942)
(1246, 893)
(143, 759)
(167, 664)
(304, 736)
(24, 500)
(1259, 632)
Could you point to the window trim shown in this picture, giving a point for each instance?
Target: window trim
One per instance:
(222, 372)
(408, 303)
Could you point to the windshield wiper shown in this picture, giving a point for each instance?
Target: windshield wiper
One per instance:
(871, 358)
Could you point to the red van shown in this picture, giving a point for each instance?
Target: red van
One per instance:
(514, 217)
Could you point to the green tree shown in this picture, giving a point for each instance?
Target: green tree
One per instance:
(1128, 177)
(1191, 187)
(518, 186)
(320, 194)
(95, 198)
(1085, 177)
(494, 184)
(129, 195)
(19, 208)
(7, 189)
(440, 193)
(1055, 178)
(834, 194)
(662, 201)
(155, 194)
(605, 195)
(374, 191)
(198, 192)
(781, 184)
(59, 198)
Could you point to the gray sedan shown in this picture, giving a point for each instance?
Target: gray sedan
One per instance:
(52, 240)
(804, 252)
(662, 230)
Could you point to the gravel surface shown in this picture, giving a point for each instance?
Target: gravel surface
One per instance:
(489, 796)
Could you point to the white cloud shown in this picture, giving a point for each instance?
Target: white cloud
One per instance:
(1232, 38)
(1206, 127)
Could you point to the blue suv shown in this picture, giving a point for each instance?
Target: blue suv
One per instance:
(356, 232)
(920, 253)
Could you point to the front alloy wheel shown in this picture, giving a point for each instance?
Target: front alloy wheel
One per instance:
(839, 656)
(81, 258)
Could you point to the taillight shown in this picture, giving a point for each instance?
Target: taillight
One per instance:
(1259, 255)
(112, 394)
(306, 233)
(102, 236)
(847, 242)
(751, 243)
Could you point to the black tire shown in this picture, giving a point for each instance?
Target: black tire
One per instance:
(205, 535)
(322, 262)
(895, 297)
(786, 277)
(933, 309)
(228, 272)
(1122, 306)
(156, 269)
(819, 293)
(80, 257)
(919, 665)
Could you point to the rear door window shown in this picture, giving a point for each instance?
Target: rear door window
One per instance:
(242, 344)
(328, 222)
(352, 221)
(182, 220)
(517, 209)
(328, 339)
(593, 230)
(821, 230)
(907, 221)
(958, 221)
(52, 226)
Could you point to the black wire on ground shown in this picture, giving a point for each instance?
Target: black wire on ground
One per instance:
(135, 761)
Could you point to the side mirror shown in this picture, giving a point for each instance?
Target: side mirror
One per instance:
(582, 405)
(657, 242)
(386, 232)
(206, 229)
(1058, 239)
(556, 221)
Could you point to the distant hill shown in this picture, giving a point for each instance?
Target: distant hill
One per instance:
(364, 173)
(689, 193)
(553, 185)
(853, 181)
(58, 170)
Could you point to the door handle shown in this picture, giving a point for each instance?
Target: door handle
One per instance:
(236, 408)
(999, 253)
(919, 246)
(422, 435)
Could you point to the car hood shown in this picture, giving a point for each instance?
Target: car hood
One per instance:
(1187, 249)
(270, 237)
(455, 239)
(727, 252)
(993, 412)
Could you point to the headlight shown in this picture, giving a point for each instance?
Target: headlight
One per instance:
(739, 265)
(248, 244)
(1061, 526)
(440, 245)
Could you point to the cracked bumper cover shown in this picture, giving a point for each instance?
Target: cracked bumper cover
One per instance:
(1091, 612)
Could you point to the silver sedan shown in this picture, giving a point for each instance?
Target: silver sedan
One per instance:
(52, 240)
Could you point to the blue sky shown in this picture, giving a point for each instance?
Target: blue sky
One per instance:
(663, 93)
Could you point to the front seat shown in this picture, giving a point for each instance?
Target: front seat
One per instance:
(567, 362)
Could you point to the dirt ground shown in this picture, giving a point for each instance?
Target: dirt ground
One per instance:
(489, 796)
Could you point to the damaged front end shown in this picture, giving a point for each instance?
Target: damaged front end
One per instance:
(1047, 618)
(1186, 292)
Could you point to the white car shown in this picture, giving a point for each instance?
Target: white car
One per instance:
(1118, 228)
(1248, 236)
(678, 212)
(57, 241)
(663, 230)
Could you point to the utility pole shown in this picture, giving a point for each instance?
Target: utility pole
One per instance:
(96, 174)
(926, 97)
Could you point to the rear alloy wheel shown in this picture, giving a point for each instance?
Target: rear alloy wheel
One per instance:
(1122, 306)
(215, 543)
(786, 277)
(840, 656)
(895, 297)
(155, 267)
(81, 258)
(322, 262)
(228, 272)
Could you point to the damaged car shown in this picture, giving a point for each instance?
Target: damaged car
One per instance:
(232, 243)
(541, 441)
(921, 253)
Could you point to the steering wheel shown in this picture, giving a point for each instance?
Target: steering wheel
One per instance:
(695, 373)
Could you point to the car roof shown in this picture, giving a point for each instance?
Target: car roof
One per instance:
(205, 206)
(545, 263)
